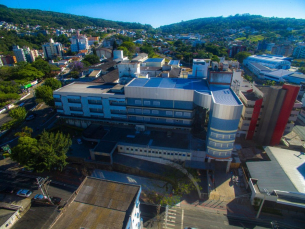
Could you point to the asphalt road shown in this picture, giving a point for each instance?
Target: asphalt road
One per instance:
(180, 218)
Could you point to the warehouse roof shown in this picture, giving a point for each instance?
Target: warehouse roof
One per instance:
(100, 204)
(154, 60)
(285, 171)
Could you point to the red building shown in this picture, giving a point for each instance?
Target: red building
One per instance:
(269, 112)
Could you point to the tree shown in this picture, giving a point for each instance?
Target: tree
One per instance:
(124, 49)
(302, 70)
(241, 56)
(74, 74)
(18, 114)
(92, 59)
(94, 51)
(25, 132)
(42, 66)
(45, 93)
(52, 83)
(215, 58)
(47, 153)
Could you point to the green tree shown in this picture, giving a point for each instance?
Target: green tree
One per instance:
(241, 56)
(47, 153)
(42, 66)
(45, 93)
(125, 50)
(74, 74)
(52, 83)
(302, 70)
(18, 113)
(215, 58)
(129, 45)
(25, 132)
(92, 59)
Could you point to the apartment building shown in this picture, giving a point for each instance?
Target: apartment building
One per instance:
(19, 53)
(269, 112)
(299, 51)
(168, 103)
(52, 49)
(79, 42)
(283, 50)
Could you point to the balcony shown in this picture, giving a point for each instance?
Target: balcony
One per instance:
(248, 98)
(297, 104)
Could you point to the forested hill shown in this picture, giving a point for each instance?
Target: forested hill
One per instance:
(217, 24)
(57, 20)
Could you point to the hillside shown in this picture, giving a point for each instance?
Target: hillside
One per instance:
(217, 24)
(57, 20)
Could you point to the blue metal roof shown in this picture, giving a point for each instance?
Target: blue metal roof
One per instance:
(153, 82)
(154, 60)
(140, 82)
(167, 83)
(174, 62)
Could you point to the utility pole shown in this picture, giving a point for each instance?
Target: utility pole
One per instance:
(42, 183)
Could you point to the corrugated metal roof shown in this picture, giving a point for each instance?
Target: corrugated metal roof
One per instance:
(139, 82)
(224, 96)
(154, 60)
(285, 171)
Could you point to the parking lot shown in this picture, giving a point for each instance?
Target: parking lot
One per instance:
(39, 215)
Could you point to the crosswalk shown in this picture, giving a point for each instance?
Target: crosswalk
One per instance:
(172, 220)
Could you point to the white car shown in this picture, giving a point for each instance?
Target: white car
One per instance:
(24, 193)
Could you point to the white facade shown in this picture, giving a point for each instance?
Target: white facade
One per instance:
(19, 53)
(79, 42)
(129, 69)
(200, 68)
(52, 49)
(33, 55)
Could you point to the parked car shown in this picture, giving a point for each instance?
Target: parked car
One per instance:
(39, 197)
(30, 117)
(79, 141)
(24, 193)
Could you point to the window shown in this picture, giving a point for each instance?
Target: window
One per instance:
(131, 110)
(121, 148)
(156, 103)
(138, 102)
(73, 100)
(139, 118)
(169, 113)
(96, 110)
(160, 152)
(178, 113)
(146, 103)
(91, 101)
(149, 151)
(136, 150)
(140, 150)
(169, 120)
(127, 148)
(131, 149)
(138, 111)
(145, 111)
(147, 119)
(155, 112)
(187, 114)
(76, 109)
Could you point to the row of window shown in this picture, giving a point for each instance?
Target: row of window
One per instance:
(221, 145)
(156, 112)
(73, 100)
(222, 136)
(219, 153)
(157, 152)
(177, 121)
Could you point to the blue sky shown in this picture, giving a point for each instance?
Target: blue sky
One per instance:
(164, 12)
